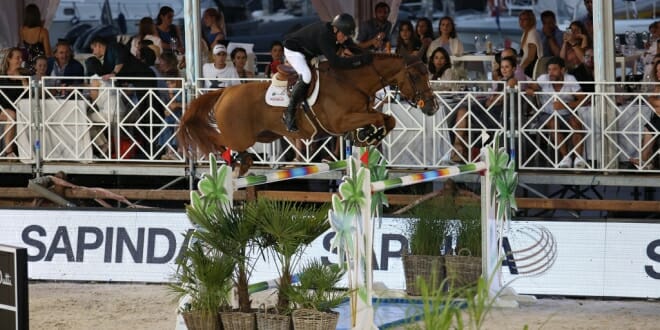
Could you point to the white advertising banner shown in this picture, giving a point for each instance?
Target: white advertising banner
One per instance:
(618, 259)
(611, 259)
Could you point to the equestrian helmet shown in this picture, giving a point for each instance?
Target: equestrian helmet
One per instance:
(344, 23)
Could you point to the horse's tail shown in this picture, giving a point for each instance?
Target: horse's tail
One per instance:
(195, 130)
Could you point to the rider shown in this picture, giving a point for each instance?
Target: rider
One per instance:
(316, 39)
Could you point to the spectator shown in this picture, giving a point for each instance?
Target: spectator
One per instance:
(518, 72)
(440, 65)
(146, 31)
(219, 69)
(551, 35)
(584, 72)
(374, 34)
(40, 67)
(531, 48)
(277, 58)
(447, 38)
(215, 32)
(170, 34)
(563, 96)
(575, 42)
(424, 33)
(588, 19)
(407, 42)
(167, 140)
(11, 92)
(239, 58)
(34, 36)
(113, 60)
(62, 64)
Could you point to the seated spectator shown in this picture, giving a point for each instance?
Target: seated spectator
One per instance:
(374, 33)
(146, 31)
(219, 69)
(447, 39)
(40, 67)
(531, 48)
(424, 32)
(518, 73)
(277, 58)
(11, 66)
(239, 58)
(440, 67)
(166, 139)
(214, 32)
(564, 106)
(407, 42)
(585, 72)
(113, 60)
(551, 35)
(62, 64)
(575, 42)
(170, 34)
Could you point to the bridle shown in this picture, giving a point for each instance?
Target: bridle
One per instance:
(417, 99)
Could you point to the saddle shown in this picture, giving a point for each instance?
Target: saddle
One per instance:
(286, 72)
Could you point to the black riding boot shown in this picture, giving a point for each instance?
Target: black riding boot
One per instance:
(298, 93)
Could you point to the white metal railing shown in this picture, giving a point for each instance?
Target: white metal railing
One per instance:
(114, 123)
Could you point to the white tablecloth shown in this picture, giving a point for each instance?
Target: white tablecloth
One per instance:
(65, 130)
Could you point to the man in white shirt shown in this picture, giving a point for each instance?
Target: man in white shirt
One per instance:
(561, 97)
(219, 69)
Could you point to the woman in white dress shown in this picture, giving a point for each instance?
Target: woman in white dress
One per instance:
(531, 48)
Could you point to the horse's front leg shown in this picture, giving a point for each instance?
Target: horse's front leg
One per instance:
(372, 132)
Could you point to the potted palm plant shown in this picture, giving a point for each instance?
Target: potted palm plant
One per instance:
(427, 231)
(286, 228)
(229, 231)
(464, 268)
(316, 295)
(205, 278)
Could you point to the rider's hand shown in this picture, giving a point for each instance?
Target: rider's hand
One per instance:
(346, 52)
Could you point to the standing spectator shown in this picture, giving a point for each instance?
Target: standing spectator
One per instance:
(407, 42)
(170, 34)
(565, 90)
(531, 48)
(651, 134)
(374, 34)
(34, 36)
(11, 66)
(62, 64)
(424, 32)
(447, 38)
(219, 69)
(239, 58)
(588, 18)
(146, 31)
(277, 58)
(215, 32)
(551, 35)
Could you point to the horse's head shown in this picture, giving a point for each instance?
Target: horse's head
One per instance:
(413, 81)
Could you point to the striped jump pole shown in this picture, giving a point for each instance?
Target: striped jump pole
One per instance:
(287, 174)
(442, 173)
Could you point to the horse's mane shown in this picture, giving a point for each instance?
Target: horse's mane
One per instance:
(386, 55)
(407, 58)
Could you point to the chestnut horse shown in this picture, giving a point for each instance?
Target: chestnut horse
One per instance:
(344, 104)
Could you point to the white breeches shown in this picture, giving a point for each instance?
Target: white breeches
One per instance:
(297, 61)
